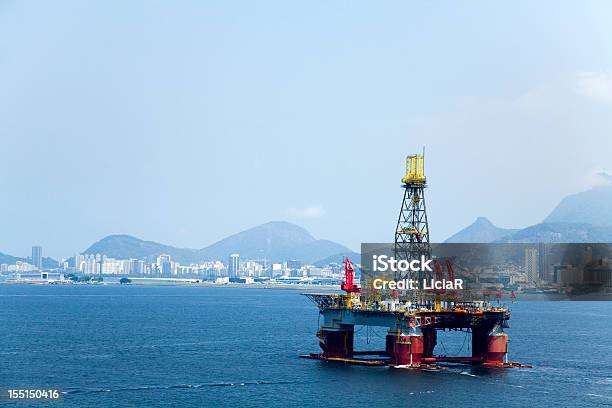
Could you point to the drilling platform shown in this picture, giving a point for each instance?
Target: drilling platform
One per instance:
(412, 318)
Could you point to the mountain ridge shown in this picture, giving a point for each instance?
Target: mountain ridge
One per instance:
(47, 262)
(581, 217)
(480, 231)
(276, 241)
(593, 206)
(561, 232)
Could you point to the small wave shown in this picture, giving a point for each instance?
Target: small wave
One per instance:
(95, 356)
(599, 396)
(466, 373)
(177, 386)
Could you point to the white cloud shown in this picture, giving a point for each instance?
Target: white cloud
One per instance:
(595, 85)
(306, 212)
(596, 178)
(607, 177)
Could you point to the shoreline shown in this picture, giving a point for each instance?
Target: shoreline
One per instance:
(295, 286)
(298, 286)
(290, 286)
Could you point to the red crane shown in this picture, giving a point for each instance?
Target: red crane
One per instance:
(451, 272)
(349, 274)
(439, 275)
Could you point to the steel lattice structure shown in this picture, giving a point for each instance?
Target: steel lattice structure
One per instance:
(412, 232)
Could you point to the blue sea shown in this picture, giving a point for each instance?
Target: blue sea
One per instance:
(124, 346)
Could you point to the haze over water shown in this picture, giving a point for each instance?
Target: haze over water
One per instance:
(186, 346)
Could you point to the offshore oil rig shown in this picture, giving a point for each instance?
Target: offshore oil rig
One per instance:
(412, 318)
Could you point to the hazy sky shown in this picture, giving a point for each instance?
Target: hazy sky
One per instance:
(183, 122)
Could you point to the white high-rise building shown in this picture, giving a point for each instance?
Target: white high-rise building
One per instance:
(164, 263)
(233, 265)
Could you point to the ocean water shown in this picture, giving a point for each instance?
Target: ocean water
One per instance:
(124, 346)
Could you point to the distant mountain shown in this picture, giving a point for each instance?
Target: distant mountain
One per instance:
(47, 262)
(339, 258)
(126, 247)
(563, 232)
(275, 241)
(593, 207)
(11, 260)
(480, 231)
(8, 259)
(581, 217)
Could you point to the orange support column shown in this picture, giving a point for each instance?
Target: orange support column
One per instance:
(497, 348)
(405, 349)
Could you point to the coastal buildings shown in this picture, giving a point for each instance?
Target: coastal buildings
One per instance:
(163, 266)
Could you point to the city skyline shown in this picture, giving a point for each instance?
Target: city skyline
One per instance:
(549, 268)
(92, 268)
(231, 115)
